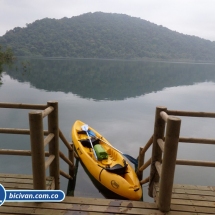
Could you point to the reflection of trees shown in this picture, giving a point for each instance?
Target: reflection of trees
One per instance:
(6, 57)
(111, 80)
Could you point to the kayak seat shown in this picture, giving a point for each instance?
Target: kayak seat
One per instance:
(118, 168)
(112, 154)
(86, 142)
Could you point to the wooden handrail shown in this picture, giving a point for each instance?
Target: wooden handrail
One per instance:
(161, 144)
(65, 175)
(145, 165)
(148, 144)
(196, 140)
(47, 111)
(15, 152)
(141, 157)
(23, 106)
(48, 139)
(191, 113)
(14, 131)
(67, 144)
(17, 131)
(62, 137)
(164, 115)
(18, 152)
(66, 159)
(158, 167)
(195, 163)
(49, 161)
(144, 181)
(184, 162)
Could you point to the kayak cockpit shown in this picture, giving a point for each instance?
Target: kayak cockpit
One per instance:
(102, 154)
(118, 168)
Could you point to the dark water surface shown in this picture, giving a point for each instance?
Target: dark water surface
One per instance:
(118, 98)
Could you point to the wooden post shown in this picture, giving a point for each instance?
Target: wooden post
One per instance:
(54, 143)
(71, 158)
(159, 128)
(168, 164)
(141, 159)
(37, 148)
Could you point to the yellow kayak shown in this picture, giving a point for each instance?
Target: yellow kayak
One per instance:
(105, 163)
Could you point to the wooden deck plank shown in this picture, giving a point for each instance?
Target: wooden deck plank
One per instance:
(85, 206)
(192, 197)
(21, 180)
(72, 208)
(193, 187)
(15, 186)
(25, 210)
(194, 192)
(110, 202)
(8, 175)
(183, 190)
(190, 187)
(190, 208)
(24, 182)
(16, 180)
(12, 186)
(89, 201)
(21, 183)
(192, 202)
(21, 176)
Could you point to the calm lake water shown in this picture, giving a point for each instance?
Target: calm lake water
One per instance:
(118, 98)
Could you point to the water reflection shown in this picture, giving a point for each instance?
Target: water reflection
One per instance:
(108, 80)
(126, 123)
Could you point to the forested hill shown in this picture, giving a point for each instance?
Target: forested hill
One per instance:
(105, 35)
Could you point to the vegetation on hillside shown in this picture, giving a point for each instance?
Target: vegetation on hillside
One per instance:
(104, 35)
(6, 57)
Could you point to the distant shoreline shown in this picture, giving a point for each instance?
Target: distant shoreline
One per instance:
(118, 59)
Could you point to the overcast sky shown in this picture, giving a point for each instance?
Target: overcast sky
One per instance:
(192, 17)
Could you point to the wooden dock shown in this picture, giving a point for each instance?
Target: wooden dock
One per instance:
(186, 200)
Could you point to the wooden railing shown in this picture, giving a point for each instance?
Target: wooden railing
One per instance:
(38, 142)
(164, 172)
(141, 164)
(163, 167)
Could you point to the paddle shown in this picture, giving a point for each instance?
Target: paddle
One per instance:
(129, 157)
(85, 128)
